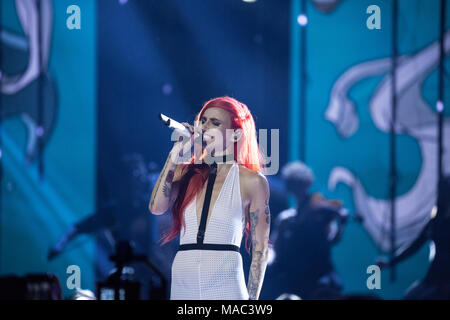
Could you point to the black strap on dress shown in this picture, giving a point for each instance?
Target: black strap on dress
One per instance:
(201, 230)
(211, 179)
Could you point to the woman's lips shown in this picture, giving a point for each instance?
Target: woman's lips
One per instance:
(207, 139)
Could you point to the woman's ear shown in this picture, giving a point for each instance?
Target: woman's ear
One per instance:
(237, 135)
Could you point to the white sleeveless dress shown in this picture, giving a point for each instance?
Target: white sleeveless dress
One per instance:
(211, 274)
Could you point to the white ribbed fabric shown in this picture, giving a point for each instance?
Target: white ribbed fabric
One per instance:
(210, 274)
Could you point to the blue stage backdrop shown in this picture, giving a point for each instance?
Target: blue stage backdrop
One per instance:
(35, 213)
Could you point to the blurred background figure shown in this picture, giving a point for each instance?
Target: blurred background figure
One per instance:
(123, 217)
(436, 283)
(303, 238)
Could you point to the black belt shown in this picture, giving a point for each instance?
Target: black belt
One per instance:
(201, 230)
(208, 246)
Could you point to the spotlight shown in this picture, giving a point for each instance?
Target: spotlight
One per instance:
(439, 106)
(288, 296)
(167, 89)
(83, 295)
(40, 131)
(433, 212)
(302, 20)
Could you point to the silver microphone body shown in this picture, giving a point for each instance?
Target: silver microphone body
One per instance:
(175, 125)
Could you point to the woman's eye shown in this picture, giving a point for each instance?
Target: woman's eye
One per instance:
(216, 124)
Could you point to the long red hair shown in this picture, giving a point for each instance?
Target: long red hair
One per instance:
(195, 174)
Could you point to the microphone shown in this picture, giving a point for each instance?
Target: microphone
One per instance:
(175, 125)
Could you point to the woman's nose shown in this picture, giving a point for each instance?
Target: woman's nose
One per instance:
(205, 126)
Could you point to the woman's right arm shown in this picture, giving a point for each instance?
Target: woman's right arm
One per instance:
(166, 187)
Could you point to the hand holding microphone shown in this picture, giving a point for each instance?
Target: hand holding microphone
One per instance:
(188, 135)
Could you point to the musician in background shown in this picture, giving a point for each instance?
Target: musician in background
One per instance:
(303, 238)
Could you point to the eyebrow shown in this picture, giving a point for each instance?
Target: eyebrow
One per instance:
(213, 119)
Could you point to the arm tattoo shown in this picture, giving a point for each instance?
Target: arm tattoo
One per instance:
(258, 265)
(253, 223)
(257, 270)
(267, 212)
(159, 181)
(167, 183)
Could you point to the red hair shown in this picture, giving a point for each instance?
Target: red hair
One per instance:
(194, 175)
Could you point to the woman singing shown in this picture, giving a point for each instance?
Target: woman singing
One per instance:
(215, 204)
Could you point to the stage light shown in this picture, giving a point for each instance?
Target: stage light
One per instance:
(302, 20)
(123, 2)
(288, 296)
(249, 1)
(433, 212)
(439, 106)
(39, 131)
(432, 254)
(271, 256)
(167, 89)
(83, 295)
